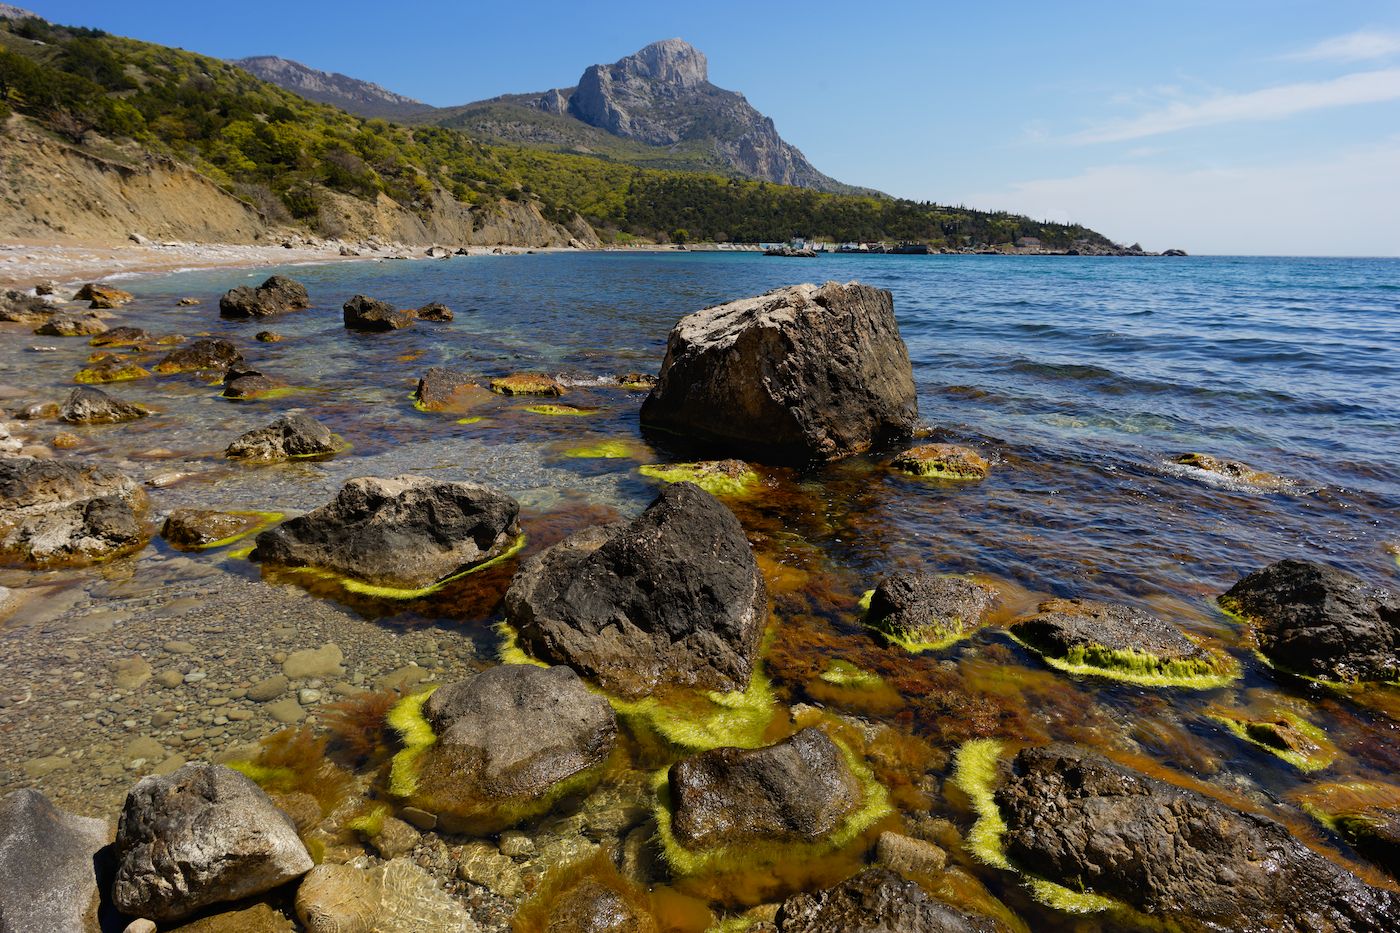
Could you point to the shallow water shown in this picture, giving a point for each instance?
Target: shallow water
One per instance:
(1078, 378)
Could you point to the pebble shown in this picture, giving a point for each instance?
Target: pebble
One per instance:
(178, 647)
(194, 677)
(269, 689)
(170, 679)
(308, 697)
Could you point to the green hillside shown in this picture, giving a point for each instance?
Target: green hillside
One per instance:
(279, 151)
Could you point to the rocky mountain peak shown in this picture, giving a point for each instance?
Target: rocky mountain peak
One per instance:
(8, 11)
(670, 61)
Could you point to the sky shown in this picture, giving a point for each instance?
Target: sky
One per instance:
(1226, 127)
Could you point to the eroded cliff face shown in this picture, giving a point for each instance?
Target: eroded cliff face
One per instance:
(450, 222)
(662, 95)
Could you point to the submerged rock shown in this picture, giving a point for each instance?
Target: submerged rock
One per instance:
(366, 314)
(204, 835)
(925, 611)
(72, 324)
(591, 906)
(1318, 621)
(506, 738)
(1119, 641)
(56, 512)
(1233, 469)
(393, 897)
(672, 598)
(875, 901)
(86, 405)
(441, 388)
(1085, 822)
(287, 437)
(942, 461)
(636, 382)
(110, 369)
(241, 383)
(199, 528)
(1364, 813)
(796, 374)
(405, 532)
(103, 296)
(434, 311)
(798, 790)
(204, 355)
(277, 295)
(49, 863)
(717, 477)
(527, 384)
(121, 337)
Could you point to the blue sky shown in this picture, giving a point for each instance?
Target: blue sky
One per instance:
(1233, 126)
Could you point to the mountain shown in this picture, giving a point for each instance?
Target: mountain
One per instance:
(660, 98)
(8, 11)
(326, 87)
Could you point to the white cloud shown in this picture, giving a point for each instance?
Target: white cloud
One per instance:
(1364, 45)
(1271, 103)
(1344, 205)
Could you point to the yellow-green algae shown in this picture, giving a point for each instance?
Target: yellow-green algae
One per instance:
(975, 774)
(378, 591)
(371, 822)
(473, 419)
(105, 374)
(602, 450)
(845, 674)
(268, 519)
(1140, 667)
(415, 735)
(750, 854)
(1345, 806)
(703, 474)
(558, 410)
(1258, 731)
(274, 392)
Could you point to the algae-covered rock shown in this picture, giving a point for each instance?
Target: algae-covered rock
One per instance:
(673, 598)
(1281, 732)
(1321, 622)
(527, 384)
(277, 295)
(798, 790)
(121, 337)
(406, 532)
(287, 437)
(243, 383)
(369, 315)
(192, 529)
(796, 374)
(434, 311)
(1085, 822)
(208, 354)
(103, 297)
(1232, 469)
(443, 389)
(636, 382)
(49, 866)
(717, 477)
(1123, 642)
(926, 612)
(875, 901)
(393, 897)
(204, 835)
(1365, 813)
(110, 369)
(86, 405)
(18, 307)
(942, 461)
(591, 906)
(67, 512)
(72, 324)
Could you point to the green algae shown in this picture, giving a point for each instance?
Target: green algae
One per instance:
(267, 520)
(845, 674)
(706, 720)
(101, 375)
(1267, 735)
(415, 735)
(378, 591)
(510, 651)
(264, 776)
(265, 395)
(370, 823)
(473, 419)
(1140, 667)
(559, 410)
(602, 450)
(706, 475)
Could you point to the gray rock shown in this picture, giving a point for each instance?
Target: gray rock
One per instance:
(277, 295)
(49, 864)
(928, 608)
(1061, 625)
(17, 307)
(208, 354)
(797, 790)
(67, 512)
(287, 437)
(72, 324)
(1316, 620)
(204, 835)
(366, 314)
(674, 597)
(243, 383)
(407, 532)
(87, 405)
(875, 901)
(434, 311)
(796, 374)
(1089, 823)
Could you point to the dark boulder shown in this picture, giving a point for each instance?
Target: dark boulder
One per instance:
(72, 324)
(204, 835)
(925, 609)
(86, 405)
(875, 901)
(672, 598)
(277, 295)
(442, 389)
(366, 314)
(121, 337)
(1088, 823)
(510, 733)
(1315, 620)
(407, 532)
(49, 866)
(244, 383)
(66, 512)
(208, 354)
(797, 790)
(434, 311)
(796, 374)
(287, 437)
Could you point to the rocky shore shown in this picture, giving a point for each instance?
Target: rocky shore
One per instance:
(426, 703)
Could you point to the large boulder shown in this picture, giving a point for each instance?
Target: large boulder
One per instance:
(103, 297)
(798, 790)
(511, 733)
(406, 532)
(926, 610)
(49, 863)
(1316, 620)
(124, 337)
(367, 314)
(875, 901)
(1080, 820)
(204, 835)
(86, 405)
(797, 374)
(672, 598)
(287, 437)
(72, 324)
(208, 354)
(277, 295)
(18, 307)
(65, 512)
